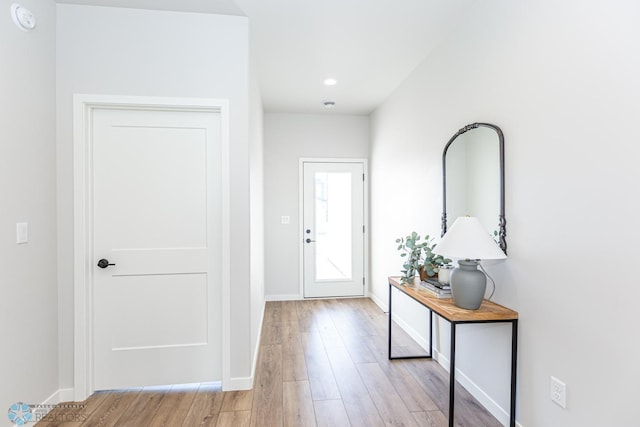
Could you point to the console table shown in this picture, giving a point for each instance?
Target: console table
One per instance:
(489, 312)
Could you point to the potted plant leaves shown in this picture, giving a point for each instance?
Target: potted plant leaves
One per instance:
(432, 262)
(419, 257)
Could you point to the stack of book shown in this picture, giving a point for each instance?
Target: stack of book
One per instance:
(436, 289)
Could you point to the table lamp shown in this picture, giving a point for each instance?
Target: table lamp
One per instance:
(468, 241)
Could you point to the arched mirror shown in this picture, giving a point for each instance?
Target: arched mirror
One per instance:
(473, 179)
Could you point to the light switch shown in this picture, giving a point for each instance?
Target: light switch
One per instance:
(285, 220)
(22, 232)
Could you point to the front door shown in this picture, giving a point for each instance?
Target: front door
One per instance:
(333, 229)
(156, 235)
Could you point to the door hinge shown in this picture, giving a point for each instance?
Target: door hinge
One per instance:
(363, 177)
(363, 228)
(363, 281)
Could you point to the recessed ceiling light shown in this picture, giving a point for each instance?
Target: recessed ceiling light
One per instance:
(330, 82)
(329, 104)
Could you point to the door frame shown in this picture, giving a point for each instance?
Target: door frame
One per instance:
(301, 234)
(83, 107)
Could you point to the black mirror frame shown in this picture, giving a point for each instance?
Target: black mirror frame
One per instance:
(502, 222)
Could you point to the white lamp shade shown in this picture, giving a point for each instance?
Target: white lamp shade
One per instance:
(468, 239)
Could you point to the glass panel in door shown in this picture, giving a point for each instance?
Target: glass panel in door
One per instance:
(333, 226)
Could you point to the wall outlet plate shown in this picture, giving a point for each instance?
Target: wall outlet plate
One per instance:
(558, 392)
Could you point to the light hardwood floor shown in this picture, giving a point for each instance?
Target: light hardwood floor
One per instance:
(322, 363)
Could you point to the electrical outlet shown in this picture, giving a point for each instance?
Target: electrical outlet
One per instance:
(558, 392)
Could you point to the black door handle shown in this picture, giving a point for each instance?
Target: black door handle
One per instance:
(309, 240)
(104, 263)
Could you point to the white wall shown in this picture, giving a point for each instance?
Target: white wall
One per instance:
(103, 50)
(256, 181)
(28, 307)
(288, 137)
(560, 79)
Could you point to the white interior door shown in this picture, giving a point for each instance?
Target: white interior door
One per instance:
(333, 229)
(156, 218)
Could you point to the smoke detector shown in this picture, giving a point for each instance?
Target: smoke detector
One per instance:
(22, 17)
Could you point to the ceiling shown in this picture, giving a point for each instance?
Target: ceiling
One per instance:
(369, 46)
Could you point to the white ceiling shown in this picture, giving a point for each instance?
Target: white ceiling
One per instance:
(369, 46)
(222, 7)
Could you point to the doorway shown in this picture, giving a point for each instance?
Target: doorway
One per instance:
(333, 228)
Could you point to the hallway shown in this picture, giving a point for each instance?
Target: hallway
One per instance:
(321, 363)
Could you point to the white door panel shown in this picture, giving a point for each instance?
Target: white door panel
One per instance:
(156, 193)
(333, 229)
(179, 318)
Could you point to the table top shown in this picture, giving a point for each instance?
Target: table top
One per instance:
(488, 311)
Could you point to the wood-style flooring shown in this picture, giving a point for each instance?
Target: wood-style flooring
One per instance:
(321, 363)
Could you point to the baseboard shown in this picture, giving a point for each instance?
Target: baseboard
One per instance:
(297, 297)
(54, 399)
(485, 400)
(256, 353)
(239, 383)
(415, 335)
(284, 297)
(65, 395)
(246, 383)
(60, 395)
(384, 306)
(41, 410)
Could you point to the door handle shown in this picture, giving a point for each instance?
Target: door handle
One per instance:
(309, 241)
(104, 263)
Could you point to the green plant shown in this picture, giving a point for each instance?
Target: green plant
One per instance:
(432, 261)
(418, 254)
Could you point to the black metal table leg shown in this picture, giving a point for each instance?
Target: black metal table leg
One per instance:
(514, 361)
(452, 373)
(425, 356)
(390, 304)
